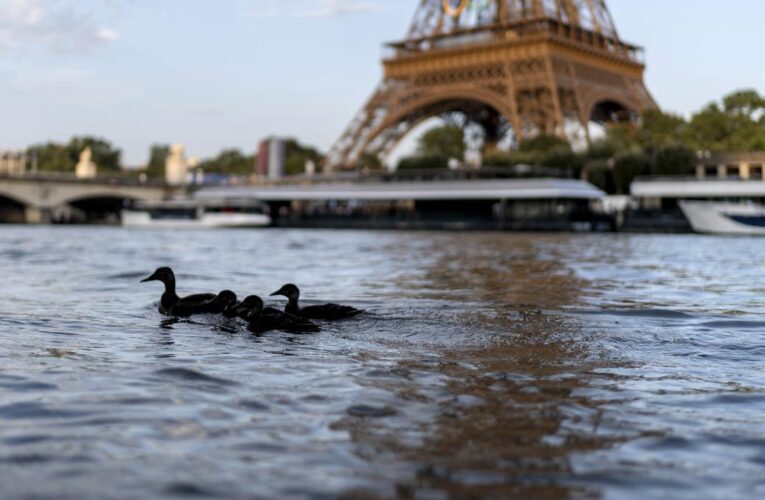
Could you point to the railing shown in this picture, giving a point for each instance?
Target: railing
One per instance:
(118, 180)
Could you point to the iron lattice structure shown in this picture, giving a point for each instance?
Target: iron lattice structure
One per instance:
(527, 66)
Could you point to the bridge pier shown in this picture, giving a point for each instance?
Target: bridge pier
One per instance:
(38, 215)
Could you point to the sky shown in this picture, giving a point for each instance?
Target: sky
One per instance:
(215, 74)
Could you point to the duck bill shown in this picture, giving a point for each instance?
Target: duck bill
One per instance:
(153, 277)
(278, 292)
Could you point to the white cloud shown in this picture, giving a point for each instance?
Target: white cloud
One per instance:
(312, 8)
(55, 25)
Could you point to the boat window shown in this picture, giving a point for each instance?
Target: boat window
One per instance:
(733, 171)
(755, 172)
(710, 171)
(173, 213)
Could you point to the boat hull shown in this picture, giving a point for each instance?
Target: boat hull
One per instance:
(725, 218)
(132, 218)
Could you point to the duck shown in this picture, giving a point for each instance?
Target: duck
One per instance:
(217, 305)
(171, 299)
(320, 312)
(261, 320)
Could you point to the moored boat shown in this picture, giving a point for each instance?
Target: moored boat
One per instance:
(196, 214)
(725, 217)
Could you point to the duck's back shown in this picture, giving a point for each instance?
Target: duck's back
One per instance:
(329, 312)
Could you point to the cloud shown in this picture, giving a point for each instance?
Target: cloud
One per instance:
(54, 25)
(312, 8)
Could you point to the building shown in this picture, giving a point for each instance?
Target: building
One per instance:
(272, 158)
(731, 165)
(12, 162)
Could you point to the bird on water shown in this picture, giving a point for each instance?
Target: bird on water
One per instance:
(217, 305)
(261, 320)
(170, 298)
(325, 311)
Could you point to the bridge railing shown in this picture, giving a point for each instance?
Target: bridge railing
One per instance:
(113, 180)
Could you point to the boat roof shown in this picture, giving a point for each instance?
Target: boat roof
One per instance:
(511, 189)
(697, 188)
(211, 202)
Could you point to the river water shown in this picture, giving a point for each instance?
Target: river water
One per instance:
(487, 365)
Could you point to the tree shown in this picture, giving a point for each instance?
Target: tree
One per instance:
(296, 156)
(660, 129)
(105, 156)
(563, 158)
(446, 142)
(51, 157)
(627, 167)
(543, 144)
(420, 162)
(158, 154)
(229, 162)
(674, 160)
(54, 157)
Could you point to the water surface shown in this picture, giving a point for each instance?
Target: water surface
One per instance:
(488, 365)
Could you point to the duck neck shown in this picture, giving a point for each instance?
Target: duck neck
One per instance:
(169, 298)
(292, 305)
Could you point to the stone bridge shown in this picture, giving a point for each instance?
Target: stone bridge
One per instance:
(35, 198)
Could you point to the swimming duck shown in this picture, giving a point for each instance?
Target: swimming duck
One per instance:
(260, 320)
(169, 298)
(244, 308)
(326, 311)
(217, 305)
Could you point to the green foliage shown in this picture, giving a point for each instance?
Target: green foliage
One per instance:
(628, 166)
(600, 175)
(564, 159)
(297, 155)
(447, 142)
(229, 162)
(660, 129)
(105, 156)
(369, 161)
(423, 162)
(674, 160)
(54, 157)
(158, 153)
(510, 158)
(543, 144)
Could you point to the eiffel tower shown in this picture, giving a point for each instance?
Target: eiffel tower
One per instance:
(517, 68)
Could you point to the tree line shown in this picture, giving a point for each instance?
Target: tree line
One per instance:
(57, 157)
(661, 144)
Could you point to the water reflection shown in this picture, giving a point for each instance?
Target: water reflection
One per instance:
(513, 410)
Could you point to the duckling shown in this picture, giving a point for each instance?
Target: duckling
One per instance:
(326, 311)
(219, 304)
(169, 298)
(260, 320)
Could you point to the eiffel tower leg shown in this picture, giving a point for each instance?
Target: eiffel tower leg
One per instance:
(557, 120)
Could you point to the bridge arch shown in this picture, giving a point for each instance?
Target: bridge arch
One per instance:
(99, 206)
(12, 209)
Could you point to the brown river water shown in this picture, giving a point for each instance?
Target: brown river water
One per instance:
(488, 365)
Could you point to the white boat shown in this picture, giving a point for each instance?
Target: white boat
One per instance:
(725, 217)
(196, 214)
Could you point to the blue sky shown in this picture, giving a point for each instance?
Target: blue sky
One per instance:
(213, 74)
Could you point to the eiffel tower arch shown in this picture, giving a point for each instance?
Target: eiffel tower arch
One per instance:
(525, 67)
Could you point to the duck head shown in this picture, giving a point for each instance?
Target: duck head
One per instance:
(163, 274)
(252, 302)
(290, 291)
(226, 297)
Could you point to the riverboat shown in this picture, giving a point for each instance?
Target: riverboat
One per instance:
(196, 214)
